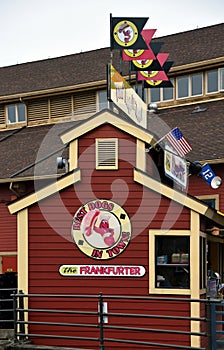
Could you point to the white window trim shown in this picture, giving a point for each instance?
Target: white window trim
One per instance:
(189, 86)
(161, 92)
(220, 79)
(202, 84)
(206, 82)
(177, 78)
(106, 103)
(16, 109)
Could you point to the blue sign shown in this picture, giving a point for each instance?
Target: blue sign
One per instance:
(207, 174)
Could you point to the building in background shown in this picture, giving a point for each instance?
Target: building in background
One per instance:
(74, 166)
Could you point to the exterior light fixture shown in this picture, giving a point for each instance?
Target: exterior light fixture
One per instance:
(152, 108)
(206, 173)
(62, 163)
(198, 109)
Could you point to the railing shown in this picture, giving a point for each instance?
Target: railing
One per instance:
(217, 323)
(6, 307)
(104, 322)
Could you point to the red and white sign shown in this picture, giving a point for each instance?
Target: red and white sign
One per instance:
(101, 229)
(102, 270)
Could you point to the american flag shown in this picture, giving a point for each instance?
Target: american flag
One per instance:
(178, 142)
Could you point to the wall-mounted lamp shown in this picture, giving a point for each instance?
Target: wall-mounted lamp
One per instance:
(206, 173)
(215, 231)
(198, 109)
(62, 163)
(153, 108)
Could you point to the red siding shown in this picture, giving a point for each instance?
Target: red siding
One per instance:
(198, 187)
(51, 244)
(7, 223)
(9, 263)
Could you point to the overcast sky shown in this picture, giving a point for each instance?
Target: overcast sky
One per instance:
(33, 30)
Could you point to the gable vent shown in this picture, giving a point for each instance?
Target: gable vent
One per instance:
(106, 153)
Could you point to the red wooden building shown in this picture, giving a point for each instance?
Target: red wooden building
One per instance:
(111, 225)
(110, 221)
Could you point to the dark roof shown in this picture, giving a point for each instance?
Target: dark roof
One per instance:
(22, 149)
(184, 48)
(33, 150)
(201, 124)
(195, 45)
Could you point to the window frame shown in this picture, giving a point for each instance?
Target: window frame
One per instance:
(221, 75)
(102, 105)
(214, 197)
(189, 85)
(206, 81)
(152, 261)
(161, 93)
(16, 106)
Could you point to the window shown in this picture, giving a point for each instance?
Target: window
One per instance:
(172, 265)
(102, 100)
(196, 84)
(182, 87)
(222, 79)
(16, 113)
(155, 95)
(203, 262)
(168, 92)
(106, 154)
(211, 200)
(212, 81)
(189, 85)
(161, 94)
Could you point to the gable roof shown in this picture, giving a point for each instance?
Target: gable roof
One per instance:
(22, 149)
(202, 44)
(32, 151)
(106, 116)
(140, 177)
(123, 123)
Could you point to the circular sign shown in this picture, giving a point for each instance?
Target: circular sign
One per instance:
(125, 33)
(134, 53)
(149, 74)
(153, 82)
(101, 229)
(142, 63)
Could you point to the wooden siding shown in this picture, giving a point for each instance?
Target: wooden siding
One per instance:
(51, 244)
(60, 107)
(181, 309)
(2, 114)
(84, 102)
(198, 187)
(37, 111)
(8, 240)
(57, 108)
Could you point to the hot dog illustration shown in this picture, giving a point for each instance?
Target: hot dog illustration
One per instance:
(89, 226)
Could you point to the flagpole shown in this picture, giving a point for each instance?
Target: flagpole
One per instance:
(160, 140)
(111, 51)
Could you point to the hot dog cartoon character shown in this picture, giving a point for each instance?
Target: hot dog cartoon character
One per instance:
(103, 228)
